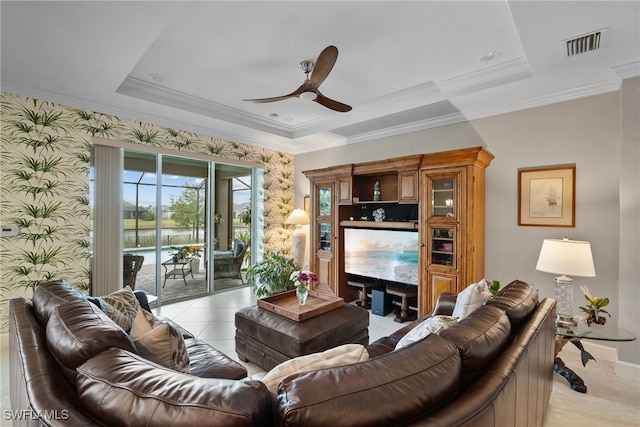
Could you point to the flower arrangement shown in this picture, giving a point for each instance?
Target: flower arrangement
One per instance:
(594, 308)
(186, 251)
(303, 279)
(194, 251)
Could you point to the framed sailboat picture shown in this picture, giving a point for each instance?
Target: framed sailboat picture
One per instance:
(546, 196)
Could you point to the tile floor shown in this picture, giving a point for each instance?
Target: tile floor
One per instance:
(610, 401)
(212, 319)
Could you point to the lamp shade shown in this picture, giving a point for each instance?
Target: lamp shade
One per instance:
(566, 257)
(297, 217)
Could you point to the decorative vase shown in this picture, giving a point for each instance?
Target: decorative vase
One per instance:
(376, 192)
(302, 293)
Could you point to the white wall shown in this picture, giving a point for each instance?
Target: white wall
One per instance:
(630, 215)
(586, 132)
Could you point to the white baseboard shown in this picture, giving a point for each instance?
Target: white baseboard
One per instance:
(628, 370)
(610, 354)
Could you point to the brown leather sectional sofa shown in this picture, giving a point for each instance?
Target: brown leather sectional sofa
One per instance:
(71, 366)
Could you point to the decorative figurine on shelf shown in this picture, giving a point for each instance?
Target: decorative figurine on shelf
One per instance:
(379, 215)
(376, 192)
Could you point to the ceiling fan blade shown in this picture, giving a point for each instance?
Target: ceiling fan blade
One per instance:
(324, 64)
(295, 93)
(331, 104)
(272, 99)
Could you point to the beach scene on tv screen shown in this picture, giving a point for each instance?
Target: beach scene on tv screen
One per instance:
(382, 254)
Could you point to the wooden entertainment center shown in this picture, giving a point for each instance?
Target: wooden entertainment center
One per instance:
(440, 195)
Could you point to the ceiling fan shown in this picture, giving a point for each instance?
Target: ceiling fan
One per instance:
(309, 89)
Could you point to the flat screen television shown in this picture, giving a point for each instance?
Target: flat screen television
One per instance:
(390, 255)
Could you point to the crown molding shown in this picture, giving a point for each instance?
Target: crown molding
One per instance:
(496, 75)
(539, 101)
(410, 127)
(141, 89)
(627, 71)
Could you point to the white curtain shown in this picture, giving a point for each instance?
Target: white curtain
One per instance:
(107, 219)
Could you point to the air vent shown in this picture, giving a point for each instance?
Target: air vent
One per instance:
(584, 43)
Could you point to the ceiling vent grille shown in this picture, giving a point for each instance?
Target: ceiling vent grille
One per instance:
(584, 43)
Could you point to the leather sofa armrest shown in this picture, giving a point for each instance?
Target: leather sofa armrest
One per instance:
(445, 304)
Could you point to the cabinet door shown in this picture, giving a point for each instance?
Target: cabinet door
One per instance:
(344, 191)
(408, 187)
(443, 248)
(439, 283)
(324, 236)
(443, 195)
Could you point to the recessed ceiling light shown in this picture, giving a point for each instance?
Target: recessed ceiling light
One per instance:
(273, 116)
(158, 77)
(490, 56)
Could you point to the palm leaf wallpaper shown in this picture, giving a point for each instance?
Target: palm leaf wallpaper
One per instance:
(44, 170)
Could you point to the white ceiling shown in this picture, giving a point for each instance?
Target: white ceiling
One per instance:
(402, 66)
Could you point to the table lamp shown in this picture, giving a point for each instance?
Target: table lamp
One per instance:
(566, 257)
(298, 218)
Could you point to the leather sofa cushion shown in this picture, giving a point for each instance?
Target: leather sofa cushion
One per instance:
(121, 388)
(78, 330)
(36, 382)
(337, 356)
(396, 388)
(480, 337)
(207, 362)
(518, 299)
(49, 295)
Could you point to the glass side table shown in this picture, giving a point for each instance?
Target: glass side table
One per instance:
(574, 335)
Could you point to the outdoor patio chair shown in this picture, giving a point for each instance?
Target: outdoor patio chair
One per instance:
(229, 267)
(131, 264)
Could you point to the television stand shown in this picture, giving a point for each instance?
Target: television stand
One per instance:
(404, 292)
(364, 290)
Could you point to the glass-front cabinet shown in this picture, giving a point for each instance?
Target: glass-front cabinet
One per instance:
(443, 197)
(323, 252)
(443, 231)
(443, 247)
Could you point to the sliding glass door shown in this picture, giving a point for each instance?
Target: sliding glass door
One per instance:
(184, 204)
(185, 221)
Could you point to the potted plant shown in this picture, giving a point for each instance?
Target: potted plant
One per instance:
(245, 216)
(593, 309)
(494, 287)
(194, 253)
(272, 274)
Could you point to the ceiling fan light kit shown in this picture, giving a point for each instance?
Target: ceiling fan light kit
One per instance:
(308, 91)
(308, 96)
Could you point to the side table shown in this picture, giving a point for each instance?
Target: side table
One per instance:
(179, 268)
(607, 332)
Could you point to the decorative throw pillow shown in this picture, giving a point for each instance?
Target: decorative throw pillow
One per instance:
(121, 306)
(338, 356)
(159, 342)
(471, 298)
(432, 325)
